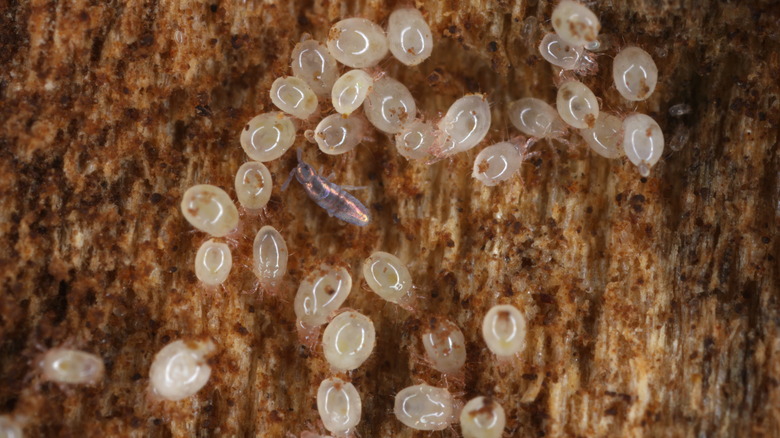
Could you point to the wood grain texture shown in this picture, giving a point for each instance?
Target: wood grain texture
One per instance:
(652, 303)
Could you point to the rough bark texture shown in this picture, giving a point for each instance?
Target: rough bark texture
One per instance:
(652, 303)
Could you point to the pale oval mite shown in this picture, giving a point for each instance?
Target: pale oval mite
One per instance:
(496, 163)
(213, 262)
(643, 141)
(312, 62)
(575, 23)
(635, 73)
(424, 407)
(389, 105)
(267, 136)
(604, 138)
(409, 36)
(180, 369)
(465, 124)
(209, 209)
(482, 417)
(294, 96)
(320, 294)
(536, 118)
(348, 340)
(504, 330)
(269, 256)
(339, 405)
(387, 276)
(577, 105)
(350, 90)
(357, 42)
(253, 185)
(64, 365)
(415, 140)
(337, 134)
(560, 53)
(445, 345)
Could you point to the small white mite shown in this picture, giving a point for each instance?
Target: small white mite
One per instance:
(180, 370)
(320, 294)
(387, 276)
(635, 73)
(72, 366)
(338, 134)
(425, 407)
(560, 53)
(10, 428)
(464, 125)
(209, 209)
(348, 340)
(339, 405)
(643, 141)
(497, 163)
(604, 137)
(268, 136)
(536, 118)
(415, 140)
(312, 62)
(350, 90)
(269, 253)
(409, 36)
(357, 42)
(445, 345)
(482, 417)
(577, 105)
(294, 96)
(504, 330)
(253, 185)
(389, 105)
(213, 262)
(575, 23)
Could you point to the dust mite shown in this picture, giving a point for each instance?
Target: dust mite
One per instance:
(330, 196)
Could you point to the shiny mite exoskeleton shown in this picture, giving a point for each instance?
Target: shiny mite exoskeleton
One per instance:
(330, 196)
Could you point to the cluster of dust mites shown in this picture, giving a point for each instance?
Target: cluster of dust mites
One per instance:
(360, 97)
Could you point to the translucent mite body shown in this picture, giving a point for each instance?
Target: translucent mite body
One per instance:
(253, 185)
(465, 124)
(180, 370)
(348, 340)
(415, 140)
(389, 105)
(635, 73)
(268, 136)
(536, 118)
(409, 36)
(312, 62)
(294, 96)
(209, 209)
(643, 141)
(213, 262)
(269, 253)
(337, 134)
(339, 405)
(425, 407)
(387, 276)
(350, 90)
(357, 42)
(497, 163)
(320, 294)
(504, 330)
(575, 23)
(577, 105)
(482, 417)
(445, 345)
(560, 53)
(335, 200)
(604, 137)
(63, 365)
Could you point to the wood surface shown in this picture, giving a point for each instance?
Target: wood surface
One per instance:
(652, 303)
